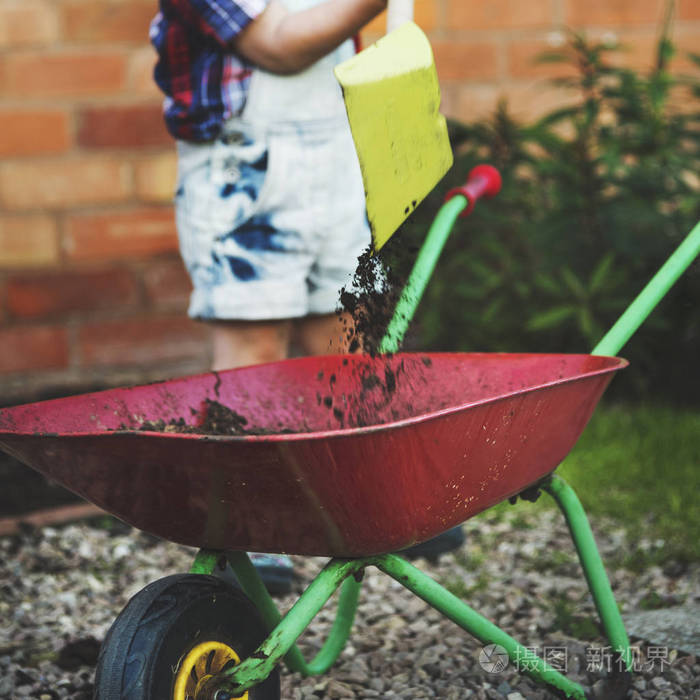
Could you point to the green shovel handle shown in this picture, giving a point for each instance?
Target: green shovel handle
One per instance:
(483, 181)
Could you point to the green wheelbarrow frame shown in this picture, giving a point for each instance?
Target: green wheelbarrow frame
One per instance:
(347, 574)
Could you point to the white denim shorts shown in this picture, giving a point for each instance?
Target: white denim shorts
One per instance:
(271, 217)
(270, 224)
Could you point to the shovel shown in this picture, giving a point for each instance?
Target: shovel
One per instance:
(392, 97)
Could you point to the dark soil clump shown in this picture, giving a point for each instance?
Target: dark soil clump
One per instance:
(215, 419)
(370, 301)
(221, 420)
(371, 298)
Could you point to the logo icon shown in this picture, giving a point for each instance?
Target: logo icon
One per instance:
(493, 658)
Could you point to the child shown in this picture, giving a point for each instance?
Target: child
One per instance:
(269, 204)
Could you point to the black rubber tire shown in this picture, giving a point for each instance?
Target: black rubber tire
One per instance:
(162, 622)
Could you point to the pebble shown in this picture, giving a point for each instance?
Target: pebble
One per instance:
(61, 585)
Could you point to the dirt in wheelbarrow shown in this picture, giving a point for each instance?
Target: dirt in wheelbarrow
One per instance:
(366, 307)
(371, 403)
(215, 419)
(382, 392)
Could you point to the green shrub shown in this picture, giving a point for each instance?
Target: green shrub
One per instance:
(595, 197)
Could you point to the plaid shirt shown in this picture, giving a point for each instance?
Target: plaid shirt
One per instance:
(203, 81)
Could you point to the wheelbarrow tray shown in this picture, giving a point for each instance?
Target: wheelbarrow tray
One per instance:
(454, 434)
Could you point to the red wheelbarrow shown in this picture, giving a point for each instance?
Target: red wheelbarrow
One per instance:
(450, 435)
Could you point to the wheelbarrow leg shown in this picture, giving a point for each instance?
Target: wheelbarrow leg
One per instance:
(592, 566)
(342, 625)
(345, 574)
(206, 562)
(478, 626)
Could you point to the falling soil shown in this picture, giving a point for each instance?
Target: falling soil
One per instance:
(370, 301)
(371, 298)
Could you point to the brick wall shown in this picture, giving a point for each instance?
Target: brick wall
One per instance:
(92, 290)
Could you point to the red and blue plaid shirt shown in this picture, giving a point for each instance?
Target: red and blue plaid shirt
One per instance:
(204, 82)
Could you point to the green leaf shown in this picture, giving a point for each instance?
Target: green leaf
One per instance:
(551, 318)
(559, 115)
(547, 284)
(493, 310)
(573, 283)
(587, 325)
(600, 274)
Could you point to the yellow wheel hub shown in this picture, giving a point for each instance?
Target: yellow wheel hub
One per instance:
(200, 664)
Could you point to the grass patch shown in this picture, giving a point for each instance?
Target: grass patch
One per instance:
(552, 560)
(641, 466)
(569, 621)
(463, 590)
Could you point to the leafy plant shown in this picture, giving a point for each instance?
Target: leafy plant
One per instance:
(595, 197)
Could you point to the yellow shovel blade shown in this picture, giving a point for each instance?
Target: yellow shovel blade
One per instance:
(392, 97)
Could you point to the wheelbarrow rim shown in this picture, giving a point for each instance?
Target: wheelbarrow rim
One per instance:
(338, 433)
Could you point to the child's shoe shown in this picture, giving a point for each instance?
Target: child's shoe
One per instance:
(276, 571)
(432, 549)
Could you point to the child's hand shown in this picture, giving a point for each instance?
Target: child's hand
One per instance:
(281, 41)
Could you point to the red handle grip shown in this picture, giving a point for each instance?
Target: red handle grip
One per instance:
(483, 181)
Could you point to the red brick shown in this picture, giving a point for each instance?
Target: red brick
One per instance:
(114, 235)
(637, 49)
(531, 99)
(687, 42)
(465, 60)
(474, 102)
(448, 99)
(615, 13)
(140, 73)
(123, 126)
(499, 14)
(27, 23)
(523, 61)
(28, 241)
(155, 177)
(101, 22)
(637, 52)
(167, 284)
(27, 348)
(32, 132)
(64, 183)
(142, 341)
(69, 74)
(688, 10)
(64, 292)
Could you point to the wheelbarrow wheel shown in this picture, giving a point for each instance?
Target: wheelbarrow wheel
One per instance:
(175, 632)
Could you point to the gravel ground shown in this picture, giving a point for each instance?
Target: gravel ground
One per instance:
(60, 589)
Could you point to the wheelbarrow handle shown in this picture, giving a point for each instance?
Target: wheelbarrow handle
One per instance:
(651, 295)
(483, 180)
